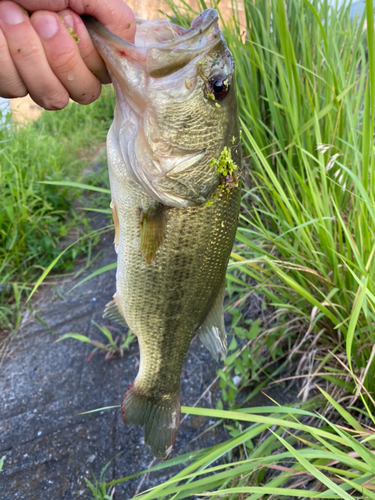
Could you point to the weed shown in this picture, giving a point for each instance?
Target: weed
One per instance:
(37, 219)
(99, 489)
(338, 458)
(308, 221)
(114, 346)
(239, 367)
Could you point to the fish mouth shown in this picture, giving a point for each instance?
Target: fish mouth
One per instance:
(161, 47)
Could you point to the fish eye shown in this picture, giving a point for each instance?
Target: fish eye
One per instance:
(219, 86)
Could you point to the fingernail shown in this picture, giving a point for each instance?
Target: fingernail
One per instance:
(12, 14)
(67, 19)
(46, 26)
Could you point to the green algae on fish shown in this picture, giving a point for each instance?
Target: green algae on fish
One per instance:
(227, 169)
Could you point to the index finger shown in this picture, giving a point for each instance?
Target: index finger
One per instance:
(116, 15)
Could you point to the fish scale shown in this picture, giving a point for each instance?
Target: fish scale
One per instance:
(164, 317)
(200, 128)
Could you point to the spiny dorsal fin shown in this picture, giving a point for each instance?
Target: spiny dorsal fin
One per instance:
(153, 225)
(116, 223)
(212, 331)
(112, 312)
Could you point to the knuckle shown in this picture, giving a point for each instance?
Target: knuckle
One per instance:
(29, 52)
(89, 96)
(91, 53)
(66, 61)
(20, 91)
(54, 102)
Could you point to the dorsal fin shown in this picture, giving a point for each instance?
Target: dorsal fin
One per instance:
(212, 331)
(113, 313)
(153, 226)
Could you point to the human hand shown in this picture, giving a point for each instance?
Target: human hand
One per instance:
(39, 53)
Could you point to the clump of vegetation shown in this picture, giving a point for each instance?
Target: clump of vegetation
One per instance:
(38, 219)
(226, 168)
(307, 233)
(113, 346)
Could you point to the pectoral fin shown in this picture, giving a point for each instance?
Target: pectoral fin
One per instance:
(212, 331)
(113, 313)
(116, 223)
(153, 227)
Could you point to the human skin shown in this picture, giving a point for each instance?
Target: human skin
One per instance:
(40, 57)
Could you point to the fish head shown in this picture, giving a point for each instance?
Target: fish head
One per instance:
(176, 105)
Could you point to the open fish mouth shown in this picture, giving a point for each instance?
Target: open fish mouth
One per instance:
(161, 47)
(163, 84)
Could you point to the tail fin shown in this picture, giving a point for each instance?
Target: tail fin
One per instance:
(161, 419)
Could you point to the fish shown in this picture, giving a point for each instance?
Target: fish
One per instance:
(174, 161)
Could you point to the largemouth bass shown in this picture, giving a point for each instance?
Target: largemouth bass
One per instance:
(174, 164)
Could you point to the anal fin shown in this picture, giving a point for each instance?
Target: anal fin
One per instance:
(113, 313)
(212, 331)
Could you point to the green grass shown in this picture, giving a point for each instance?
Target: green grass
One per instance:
(114, 346)
(282, 451)
(37, 220)
(307, 232)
